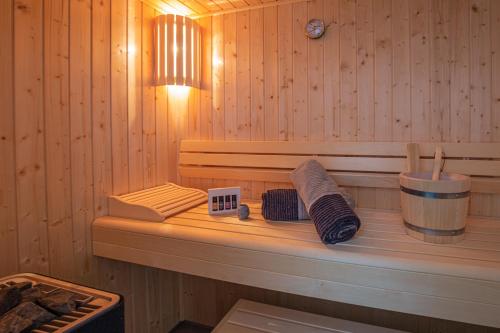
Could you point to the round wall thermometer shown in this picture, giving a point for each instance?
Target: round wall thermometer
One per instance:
(315, 28)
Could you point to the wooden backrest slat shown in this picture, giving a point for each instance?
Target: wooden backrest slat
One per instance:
(370, 164)
(452, 150)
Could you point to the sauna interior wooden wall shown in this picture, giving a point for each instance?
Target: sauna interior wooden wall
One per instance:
(81, 120)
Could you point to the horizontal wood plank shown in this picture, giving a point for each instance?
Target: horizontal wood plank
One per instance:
(479, 184)
(470, 150)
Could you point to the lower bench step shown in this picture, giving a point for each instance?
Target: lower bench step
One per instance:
(252, 317)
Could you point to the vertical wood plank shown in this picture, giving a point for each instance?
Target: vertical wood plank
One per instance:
(365, 70)
(440, 71)
(243, 89)
(365, 80)
(162, 126)
(383, 107)
(134, 95)
(230, 93)
(332, 70)
(218, 77)
(299, 90)
(315, 76)
(285, 63)
(420, 69)
(57, 145)
(271, 73)
(119, 99)
(480, 60)
(178, 105)
(148, 98)
(140, 316)
(495, 75)
(8, 216)
(81, 136)
(401, 91)
(459, 72)
(194, 114)
(348, 83)
(101, 105)
(30, 137)
(206, 78)
(257, 73)
(382, 15)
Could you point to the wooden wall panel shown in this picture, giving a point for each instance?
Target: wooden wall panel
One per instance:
(81, 136)
(271, 111)
(480, 57)
(82, 120)
(8, 216)
(285, 74)
(119, 97)
(385, 70)
(134, 96)
(58, 144)
(30, 137)
(315, 79)
(495, 69)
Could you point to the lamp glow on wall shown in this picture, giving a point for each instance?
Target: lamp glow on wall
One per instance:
(177, 51)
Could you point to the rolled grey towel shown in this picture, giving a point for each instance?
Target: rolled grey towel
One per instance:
(335, 221)
(283, 205)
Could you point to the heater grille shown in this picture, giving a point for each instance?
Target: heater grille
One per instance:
(91, 303)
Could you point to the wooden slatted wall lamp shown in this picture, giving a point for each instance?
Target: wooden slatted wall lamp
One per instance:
(177, 51)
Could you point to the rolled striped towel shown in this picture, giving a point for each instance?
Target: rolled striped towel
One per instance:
(286, 205)
(335, 221)
(283, 205)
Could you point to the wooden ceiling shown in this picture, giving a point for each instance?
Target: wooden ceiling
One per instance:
(208, 7)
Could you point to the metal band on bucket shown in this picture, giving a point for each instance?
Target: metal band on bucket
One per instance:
(434, 232)
(435, 195)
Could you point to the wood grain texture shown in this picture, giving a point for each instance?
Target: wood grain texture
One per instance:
(36, 149)
(57, 122)
(80, 122)
(8, 210)
(215, 298)
(30, 137)
(388, 71)
(381, 267)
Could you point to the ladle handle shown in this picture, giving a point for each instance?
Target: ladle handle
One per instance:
(438, 157)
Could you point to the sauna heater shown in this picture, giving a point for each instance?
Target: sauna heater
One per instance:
(92, 310)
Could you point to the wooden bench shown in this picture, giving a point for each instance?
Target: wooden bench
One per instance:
(381, 267)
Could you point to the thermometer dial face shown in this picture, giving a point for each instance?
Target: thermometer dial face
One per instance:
(315, 28)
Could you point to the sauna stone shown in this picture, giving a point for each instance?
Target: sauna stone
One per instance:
(24, 317)
(9, 298)
(59, 301)
(31, 294)
(22, 286)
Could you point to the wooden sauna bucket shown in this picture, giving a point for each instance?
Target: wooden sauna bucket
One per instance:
(434, 211)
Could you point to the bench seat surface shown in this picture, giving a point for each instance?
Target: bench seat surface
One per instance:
(381, 267)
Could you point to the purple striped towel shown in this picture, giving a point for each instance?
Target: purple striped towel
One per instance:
(335, 221)
(283, 205)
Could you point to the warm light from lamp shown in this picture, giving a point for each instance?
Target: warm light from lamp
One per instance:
(132, 49)
(177, 51)
(178, 91)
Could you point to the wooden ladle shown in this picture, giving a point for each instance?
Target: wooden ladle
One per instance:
(438, 158)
